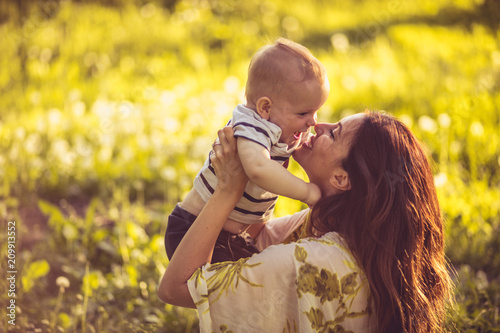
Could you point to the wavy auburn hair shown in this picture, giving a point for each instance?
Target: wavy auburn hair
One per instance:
(391, 221)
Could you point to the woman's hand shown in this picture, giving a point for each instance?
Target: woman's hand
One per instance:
(227, 164)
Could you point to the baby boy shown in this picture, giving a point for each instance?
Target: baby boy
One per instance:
(286, 87)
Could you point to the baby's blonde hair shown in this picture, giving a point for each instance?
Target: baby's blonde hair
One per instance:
(278, 66)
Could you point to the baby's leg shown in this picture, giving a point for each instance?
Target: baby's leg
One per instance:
(179, 221)
(232, 247)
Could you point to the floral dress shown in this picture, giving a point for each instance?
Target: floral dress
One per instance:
(312, 285)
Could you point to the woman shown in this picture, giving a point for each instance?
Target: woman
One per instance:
(376, 261)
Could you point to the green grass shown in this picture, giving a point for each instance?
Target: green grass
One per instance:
(108, 111)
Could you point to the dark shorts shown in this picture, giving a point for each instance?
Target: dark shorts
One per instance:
(228, 247)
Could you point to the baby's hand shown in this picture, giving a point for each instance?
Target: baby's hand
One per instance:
(314, 194)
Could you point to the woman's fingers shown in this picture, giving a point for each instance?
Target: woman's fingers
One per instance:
(216, 154)
(229, 135)
(227, 139)
(226, 161)
(220, 149)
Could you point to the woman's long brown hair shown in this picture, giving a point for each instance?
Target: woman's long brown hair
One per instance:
(391, 221)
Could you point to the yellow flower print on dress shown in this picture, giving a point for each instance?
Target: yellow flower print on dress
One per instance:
(327, 286)
(305, 286)
(290, 327)
(227, 274)
(322, 283)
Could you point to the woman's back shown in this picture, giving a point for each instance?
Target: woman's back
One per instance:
(313, 285)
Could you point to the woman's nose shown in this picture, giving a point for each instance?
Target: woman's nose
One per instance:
(321, 128)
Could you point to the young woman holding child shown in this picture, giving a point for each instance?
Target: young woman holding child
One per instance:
(374, 261)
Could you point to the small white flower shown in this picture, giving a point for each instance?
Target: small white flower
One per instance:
(62, 281)
(54, 117)
(167, 98)
(444, 120)
(168, 173)
(20, 133)
(340, 42)
(440, 179)
(232, 85)
(476, 129)
(78, 108)
(32, 144)
(427, 124)
(349, 82)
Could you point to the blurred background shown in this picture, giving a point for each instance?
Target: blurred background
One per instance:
(108, 109)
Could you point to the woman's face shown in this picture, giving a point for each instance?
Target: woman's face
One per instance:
(325, 151)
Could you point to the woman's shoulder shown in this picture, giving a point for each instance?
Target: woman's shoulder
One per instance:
(328, 251)
(331, 240)
(283, 229)
(309, 282)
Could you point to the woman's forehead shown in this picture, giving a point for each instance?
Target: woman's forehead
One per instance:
(351, 122)
(353, 117)
(350, 125)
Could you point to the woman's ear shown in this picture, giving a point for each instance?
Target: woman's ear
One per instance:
(340, 180)
(263, 107)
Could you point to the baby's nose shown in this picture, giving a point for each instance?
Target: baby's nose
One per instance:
(312, 121)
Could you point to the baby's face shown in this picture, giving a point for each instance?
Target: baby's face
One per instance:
(295, 110)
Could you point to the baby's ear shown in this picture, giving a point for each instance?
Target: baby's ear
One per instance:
(263, 107)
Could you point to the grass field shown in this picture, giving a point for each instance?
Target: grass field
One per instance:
(108, 109)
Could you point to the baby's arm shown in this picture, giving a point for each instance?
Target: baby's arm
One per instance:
(272, 176)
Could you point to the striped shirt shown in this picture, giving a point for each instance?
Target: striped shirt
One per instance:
(256, 204)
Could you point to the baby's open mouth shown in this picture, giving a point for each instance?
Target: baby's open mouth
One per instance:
(309, 140)
(304, 139)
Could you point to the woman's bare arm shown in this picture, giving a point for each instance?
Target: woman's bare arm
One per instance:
(196, 248)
